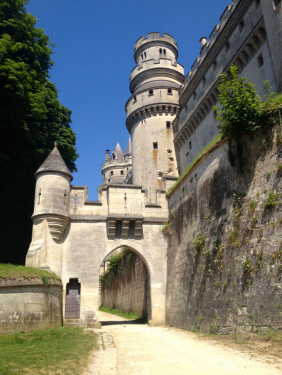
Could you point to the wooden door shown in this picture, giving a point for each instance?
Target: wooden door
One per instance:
(73, 300)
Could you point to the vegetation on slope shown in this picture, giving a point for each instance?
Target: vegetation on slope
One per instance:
(31, 119)
(128, 315)
(10, 271)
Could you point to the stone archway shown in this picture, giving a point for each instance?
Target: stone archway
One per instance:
(131, 290)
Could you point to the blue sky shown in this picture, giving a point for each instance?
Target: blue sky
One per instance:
(94, 57)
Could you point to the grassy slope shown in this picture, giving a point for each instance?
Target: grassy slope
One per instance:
(9, 271)
(62, 351)
(129, 315)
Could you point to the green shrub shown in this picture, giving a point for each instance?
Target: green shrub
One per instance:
(199, 243)
(271, 200)
(252, 206)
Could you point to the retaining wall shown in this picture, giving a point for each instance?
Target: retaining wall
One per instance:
(28, 305)
(233, 282)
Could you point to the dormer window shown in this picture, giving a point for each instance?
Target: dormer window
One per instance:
(169, 91)
(151, 92)
(241, 25)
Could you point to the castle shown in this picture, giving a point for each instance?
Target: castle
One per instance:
(170, 119)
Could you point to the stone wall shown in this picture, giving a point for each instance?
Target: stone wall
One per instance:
(131, 291)
(28, 305)
(225, 254)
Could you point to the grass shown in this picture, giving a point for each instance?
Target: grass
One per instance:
(10, 271)
(61, 351)
(276, 100)
(197, 158)
(271, 200)
(128, 315)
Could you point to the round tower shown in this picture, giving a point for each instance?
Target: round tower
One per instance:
(154, 85)
(52, 194)
(117, 165)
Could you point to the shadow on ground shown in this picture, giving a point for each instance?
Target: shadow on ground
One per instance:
(118, 322)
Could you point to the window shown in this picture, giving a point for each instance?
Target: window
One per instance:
(190, 145)
(112, 173)
(204, 81)
(145, 54)
(161, 51)
(142, 56)
(186, 108)
(169, 91)
(134, 98)
(109, 180)
(227, 46)
(276, 3)
(194, 95)
(168, 124)
(155, 145)
(121, 172)
(151, 92)
(260, 61)
(214, 64)
(241, 25)
(164, 51)
(257, 3)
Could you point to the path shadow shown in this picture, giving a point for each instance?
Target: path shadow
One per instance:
(118, 322)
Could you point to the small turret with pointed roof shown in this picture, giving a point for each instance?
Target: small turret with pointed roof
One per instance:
(128, 148)
(117, 153)
(54, 163)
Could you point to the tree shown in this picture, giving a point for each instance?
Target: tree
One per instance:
(31, 119)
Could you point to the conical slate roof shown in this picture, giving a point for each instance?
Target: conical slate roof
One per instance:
(117, 153)
(54, 163)
(128, 148)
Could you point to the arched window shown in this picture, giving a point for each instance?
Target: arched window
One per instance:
(161, 51)
(164, 51)
(145, 54)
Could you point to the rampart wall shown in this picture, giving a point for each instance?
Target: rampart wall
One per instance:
(29, 305)
(225, 254)
(131, 291)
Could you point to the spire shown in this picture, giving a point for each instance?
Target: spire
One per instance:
(54, 163)
(117, 153)
(128, 148)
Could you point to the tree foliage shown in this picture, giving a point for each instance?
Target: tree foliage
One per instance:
(31, 118)
(241, 109)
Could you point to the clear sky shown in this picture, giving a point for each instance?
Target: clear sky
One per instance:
(94, 57)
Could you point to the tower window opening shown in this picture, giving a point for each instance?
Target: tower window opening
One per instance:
(121, 172)
(75, 200)
(194, 95)
(204, 81)
(241, 25)
(135, 99)
(227, 46)
(142, 55)
(164, 51)
(190, 145)
(112, 173)
(155, 145)
(257, 3)
(161, 51)
(168, 125)
(186, 108)
(169, 91)
(151, 92)
(214, 64)
(145, 54)
(260, 61)
(109, 180)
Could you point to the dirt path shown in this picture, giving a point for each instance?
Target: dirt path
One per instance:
(130, 349)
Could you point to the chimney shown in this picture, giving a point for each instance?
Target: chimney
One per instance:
(203, 42)
(107, 155)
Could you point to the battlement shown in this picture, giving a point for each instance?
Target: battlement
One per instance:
(155, 37)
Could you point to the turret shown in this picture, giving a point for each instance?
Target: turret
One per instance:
(51, 212)
(154, 84)
(117, 166)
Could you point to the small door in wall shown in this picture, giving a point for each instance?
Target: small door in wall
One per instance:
(73, 299)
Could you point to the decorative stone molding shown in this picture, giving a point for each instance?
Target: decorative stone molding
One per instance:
(57, 224)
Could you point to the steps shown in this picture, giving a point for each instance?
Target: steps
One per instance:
(74, 323)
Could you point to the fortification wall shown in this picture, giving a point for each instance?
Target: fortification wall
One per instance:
(233, 282)
(28, 305)
(131, 291)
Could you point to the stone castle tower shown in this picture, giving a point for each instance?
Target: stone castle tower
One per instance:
(154, 104)
(117, 166)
